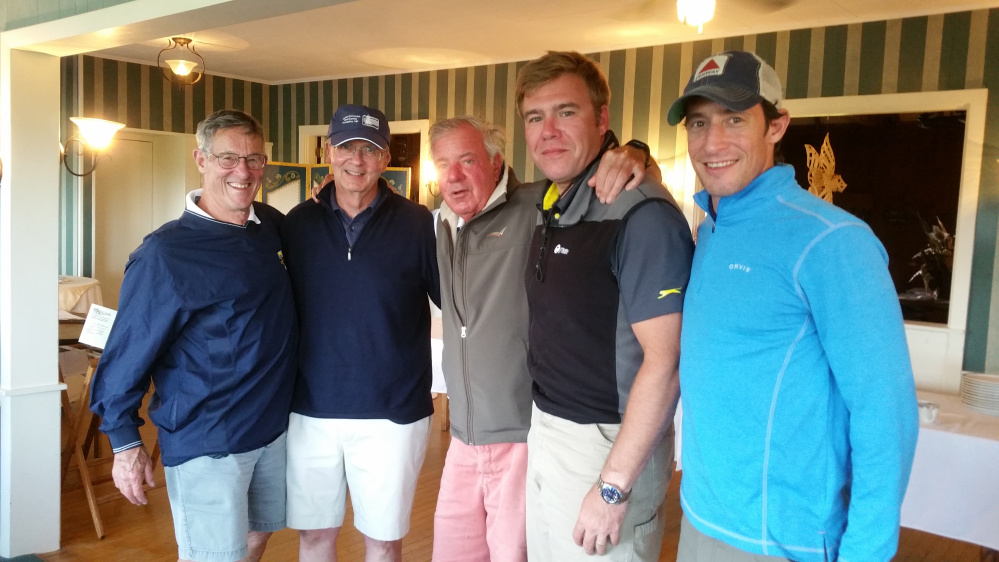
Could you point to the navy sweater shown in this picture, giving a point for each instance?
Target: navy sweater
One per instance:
(206, 313)
(364, 318)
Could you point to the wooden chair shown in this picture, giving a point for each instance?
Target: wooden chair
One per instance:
(442, 406)
(78, 443)
(72, 422)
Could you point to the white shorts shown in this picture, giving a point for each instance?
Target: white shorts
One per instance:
(378, 460)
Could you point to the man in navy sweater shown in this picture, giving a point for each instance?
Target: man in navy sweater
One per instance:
(362, 262)
(206, 313)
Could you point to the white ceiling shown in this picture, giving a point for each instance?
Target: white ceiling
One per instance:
(372, 37)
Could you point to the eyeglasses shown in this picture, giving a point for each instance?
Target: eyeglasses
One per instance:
(348, 150)
(230, 160)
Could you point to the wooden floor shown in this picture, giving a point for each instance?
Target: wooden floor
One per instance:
(146, 533)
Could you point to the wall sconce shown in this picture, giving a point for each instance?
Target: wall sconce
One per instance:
(97, 135)
(181, 60)
(695, 12)
(430, 173)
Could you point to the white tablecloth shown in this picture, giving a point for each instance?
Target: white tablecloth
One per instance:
(954, 487)
(76, 294)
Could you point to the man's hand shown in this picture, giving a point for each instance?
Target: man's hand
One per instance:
(131, 467)
(317, 188)
(622, 168)
(598, 523)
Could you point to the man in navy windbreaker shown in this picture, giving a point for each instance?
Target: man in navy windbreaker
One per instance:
(206, 314)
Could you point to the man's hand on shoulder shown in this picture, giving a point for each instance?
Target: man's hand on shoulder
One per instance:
(317, 188)
(131, 468)
(622, 168)
(599, 523)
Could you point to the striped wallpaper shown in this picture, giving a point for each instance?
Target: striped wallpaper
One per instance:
(928, 53)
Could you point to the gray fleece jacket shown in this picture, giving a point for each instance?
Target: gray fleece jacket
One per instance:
(484, 308)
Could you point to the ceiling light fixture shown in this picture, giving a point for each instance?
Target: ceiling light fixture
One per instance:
(97, 135)
(182, 62)
(695, 12)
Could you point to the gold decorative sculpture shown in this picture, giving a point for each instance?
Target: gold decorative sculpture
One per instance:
(823, 180)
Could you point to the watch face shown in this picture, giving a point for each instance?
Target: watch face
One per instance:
(610, 494)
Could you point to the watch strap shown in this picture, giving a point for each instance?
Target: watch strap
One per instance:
(643, 147)
(621, 493)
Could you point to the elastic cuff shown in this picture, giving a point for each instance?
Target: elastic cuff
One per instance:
(125, 438)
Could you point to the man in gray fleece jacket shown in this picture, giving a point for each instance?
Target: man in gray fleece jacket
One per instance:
(483, 238)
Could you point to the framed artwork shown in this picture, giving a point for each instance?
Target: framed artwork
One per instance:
(317, 172)
(935, 166)
(398, 179)
(284, 185)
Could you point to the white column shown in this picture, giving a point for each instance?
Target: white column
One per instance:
(29, 389)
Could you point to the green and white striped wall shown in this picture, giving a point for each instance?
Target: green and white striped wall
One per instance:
(939, 52)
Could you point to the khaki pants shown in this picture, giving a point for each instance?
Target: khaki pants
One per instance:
(564, 460)
(695, 546)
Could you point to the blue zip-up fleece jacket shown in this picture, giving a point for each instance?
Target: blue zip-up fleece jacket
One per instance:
(800, 415)
(364, 315)
(207, 314)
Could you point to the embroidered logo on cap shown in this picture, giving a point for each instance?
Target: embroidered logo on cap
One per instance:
(713, 66)
(369, 121)
(349, 119)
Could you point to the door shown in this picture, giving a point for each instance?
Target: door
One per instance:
(123, 211)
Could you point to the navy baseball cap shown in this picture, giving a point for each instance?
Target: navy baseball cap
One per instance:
(358, 122)
(736, 79)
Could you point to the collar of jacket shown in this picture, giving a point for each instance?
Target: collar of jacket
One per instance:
(328, 201)
(498, 197)
(569, 208)
(744, 204)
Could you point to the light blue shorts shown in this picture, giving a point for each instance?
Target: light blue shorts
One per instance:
(217, 501)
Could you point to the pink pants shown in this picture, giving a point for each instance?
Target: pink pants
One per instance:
(481, 507)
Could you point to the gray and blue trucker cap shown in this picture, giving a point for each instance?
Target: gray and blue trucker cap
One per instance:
(736, 79)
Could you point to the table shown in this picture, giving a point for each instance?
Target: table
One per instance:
(76, 294)
(954, 487)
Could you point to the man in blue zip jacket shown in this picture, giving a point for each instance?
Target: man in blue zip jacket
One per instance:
(362, 263)
(206, 314)
(799, 404)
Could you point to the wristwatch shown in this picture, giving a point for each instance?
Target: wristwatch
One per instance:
(643, 147)
(611, 493)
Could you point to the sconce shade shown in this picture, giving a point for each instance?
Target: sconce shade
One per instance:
(695, 12)
(97, 133)
(182, 62)
(429, 172)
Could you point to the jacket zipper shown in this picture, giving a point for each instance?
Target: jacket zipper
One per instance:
(460, 261)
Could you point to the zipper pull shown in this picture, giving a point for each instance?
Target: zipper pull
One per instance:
(348, 254)
(463, 332)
